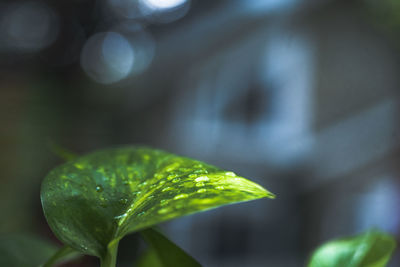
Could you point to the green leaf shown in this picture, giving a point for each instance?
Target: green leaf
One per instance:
(93, 201)
(168, 254)
(61, 152)
(63, 254)
(371, 249)
(24, 250)
(148, 259)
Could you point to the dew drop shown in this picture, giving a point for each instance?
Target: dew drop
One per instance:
(230, 174)
(99, 188)
(181, 196)
(163, 211)
(120, 216)
(203, 190)
(202, 179)
(220, 187)
(176, 180)
(200, 184)
(171, 176)
(167, 189)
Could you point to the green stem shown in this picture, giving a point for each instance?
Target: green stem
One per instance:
(110, 258)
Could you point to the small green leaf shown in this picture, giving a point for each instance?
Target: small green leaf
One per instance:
(63, 254)
(93, 201)
(24, 250)
(168, 254)
(148, 259)
(61, 152)
(371, 249)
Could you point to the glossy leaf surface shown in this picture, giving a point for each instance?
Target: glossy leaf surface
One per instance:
(24, 250)
(98, 198)
(165, 252)
(371, 249)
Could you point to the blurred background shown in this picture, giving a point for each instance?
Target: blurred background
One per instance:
(298, 95)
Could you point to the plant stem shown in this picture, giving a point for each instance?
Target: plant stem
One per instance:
(110, 258)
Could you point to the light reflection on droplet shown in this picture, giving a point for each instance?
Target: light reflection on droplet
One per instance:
(163, 211)
(181, 196)
(200, 184)
(167, 189)
(202, 179)
(99, 188)
(120, 216)
(107, 57)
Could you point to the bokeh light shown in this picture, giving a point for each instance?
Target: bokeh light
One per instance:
(142, 42)
(28, 27)
(107, 57)
(164, 11)
(163, 4)
(125, 8)
(149, 10)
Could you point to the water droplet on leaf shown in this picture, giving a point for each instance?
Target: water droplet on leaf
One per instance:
(202, 179)
(163, 211)
(167, 189)
(181, 196)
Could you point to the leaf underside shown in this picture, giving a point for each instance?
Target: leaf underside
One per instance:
(371, 249)
(163, 252)
(95, 199)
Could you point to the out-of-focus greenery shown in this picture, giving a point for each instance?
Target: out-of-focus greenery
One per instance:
(370, 249)
(385, 14)
(17, 250)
